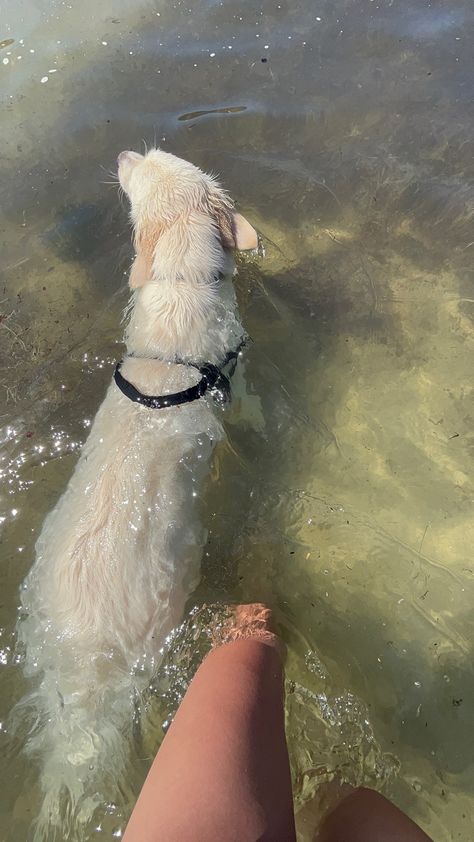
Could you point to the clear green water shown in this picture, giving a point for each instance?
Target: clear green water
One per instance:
(345, 494)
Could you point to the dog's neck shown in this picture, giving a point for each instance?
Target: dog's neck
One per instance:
(187, 309)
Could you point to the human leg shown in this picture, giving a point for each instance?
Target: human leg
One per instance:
(222, 772)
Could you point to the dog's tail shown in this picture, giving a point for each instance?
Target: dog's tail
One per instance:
(80, 739)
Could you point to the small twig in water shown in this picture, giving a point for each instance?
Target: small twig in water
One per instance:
(424, 535)
(333, 238)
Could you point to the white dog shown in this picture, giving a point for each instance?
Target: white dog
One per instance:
(119, 555)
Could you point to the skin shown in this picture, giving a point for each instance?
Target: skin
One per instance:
(366, 816)
(222, 773)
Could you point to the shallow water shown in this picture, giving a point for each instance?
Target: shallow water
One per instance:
(344, 496)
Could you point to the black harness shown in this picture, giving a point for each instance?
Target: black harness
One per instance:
(212, 379)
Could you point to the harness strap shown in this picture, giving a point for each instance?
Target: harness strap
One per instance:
(212, 379)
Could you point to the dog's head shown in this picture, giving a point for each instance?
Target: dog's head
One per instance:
(177, 209)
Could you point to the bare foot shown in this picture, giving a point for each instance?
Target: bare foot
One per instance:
(249, 621)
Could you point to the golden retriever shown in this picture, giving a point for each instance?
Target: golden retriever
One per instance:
(120, 553)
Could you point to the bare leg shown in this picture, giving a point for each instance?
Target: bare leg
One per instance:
(366, 816)
(222, 772)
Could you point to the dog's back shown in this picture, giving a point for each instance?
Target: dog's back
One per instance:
(116, 561)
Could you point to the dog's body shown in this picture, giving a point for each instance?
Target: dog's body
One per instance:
(119, 555)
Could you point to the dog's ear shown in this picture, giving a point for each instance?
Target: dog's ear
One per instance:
(145, 243)
(235, 231)
(245, 236)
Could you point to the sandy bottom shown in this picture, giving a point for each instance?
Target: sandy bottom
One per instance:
(344, 496)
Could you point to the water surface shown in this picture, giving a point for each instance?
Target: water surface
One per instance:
(344, 496)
